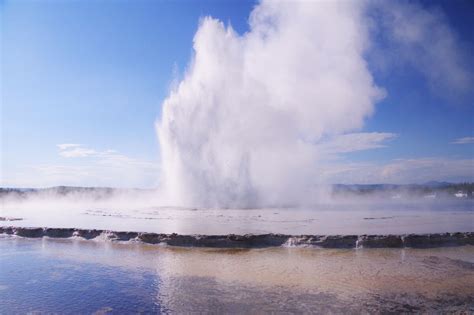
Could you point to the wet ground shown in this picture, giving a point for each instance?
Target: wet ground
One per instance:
(387, 217)
(76, 276)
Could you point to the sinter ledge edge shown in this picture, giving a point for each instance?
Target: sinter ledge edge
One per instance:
(252, 240)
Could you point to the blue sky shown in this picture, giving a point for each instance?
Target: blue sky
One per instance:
(94, 73)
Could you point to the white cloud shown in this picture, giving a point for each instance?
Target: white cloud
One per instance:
(465, 140)
(65, 146)
(76, 152)
(355, 142)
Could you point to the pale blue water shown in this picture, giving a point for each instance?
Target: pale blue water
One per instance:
(34, 281)
(71, 276)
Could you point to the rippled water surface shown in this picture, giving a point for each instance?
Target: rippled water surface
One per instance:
(76, 276)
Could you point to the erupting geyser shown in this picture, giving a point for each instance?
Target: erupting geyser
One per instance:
(243, 126)
(239, 130)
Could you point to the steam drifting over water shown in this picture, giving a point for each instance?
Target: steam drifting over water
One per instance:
(245, 126)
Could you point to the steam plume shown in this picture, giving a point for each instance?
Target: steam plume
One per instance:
(240, 129)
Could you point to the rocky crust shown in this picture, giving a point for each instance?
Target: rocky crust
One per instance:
(252, 240)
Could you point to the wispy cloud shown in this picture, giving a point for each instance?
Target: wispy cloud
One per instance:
(355, 142)
(465, 140)
(83, 166)
(65, 146)
(72, 150)
(106, 157)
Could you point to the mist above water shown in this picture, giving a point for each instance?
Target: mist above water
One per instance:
(244, 126)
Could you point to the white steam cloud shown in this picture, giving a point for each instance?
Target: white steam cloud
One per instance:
(246, 125)
(422, 38)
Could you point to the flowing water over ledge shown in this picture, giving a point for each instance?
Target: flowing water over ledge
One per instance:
(250, 240)
(77, 276)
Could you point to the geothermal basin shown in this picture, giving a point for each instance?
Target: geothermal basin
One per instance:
(373, 257)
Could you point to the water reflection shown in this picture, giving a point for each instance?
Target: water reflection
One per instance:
(74, 276)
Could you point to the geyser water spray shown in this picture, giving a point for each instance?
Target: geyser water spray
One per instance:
(239, 130)
(243, 126)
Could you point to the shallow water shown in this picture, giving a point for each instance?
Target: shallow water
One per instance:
(76, 276)
(391, 217)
